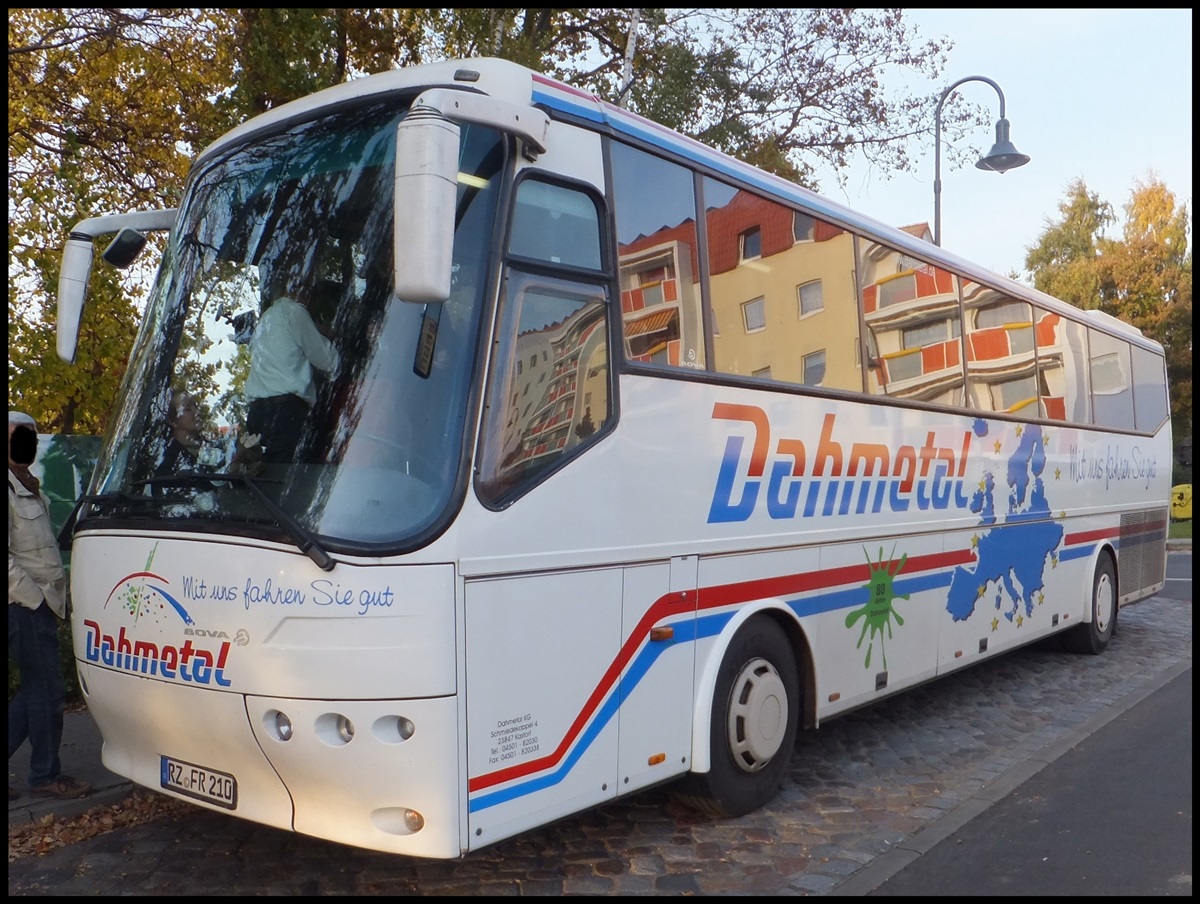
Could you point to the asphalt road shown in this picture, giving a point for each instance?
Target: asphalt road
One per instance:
(1112, 816)
(1037, 772)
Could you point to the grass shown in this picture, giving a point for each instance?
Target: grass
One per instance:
(1180, 530)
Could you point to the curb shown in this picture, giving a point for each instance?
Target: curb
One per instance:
(34, 809)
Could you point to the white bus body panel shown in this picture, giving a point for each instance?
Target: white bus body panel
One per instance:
(535, 647)
(204, 634)
(249, 616)
(194, 725)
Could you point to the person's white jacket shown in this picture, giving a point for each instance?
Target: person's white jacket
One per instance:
(35, 566)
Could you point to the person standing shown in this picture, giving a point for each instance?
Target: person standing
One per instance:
(280, 388)
(37, 600)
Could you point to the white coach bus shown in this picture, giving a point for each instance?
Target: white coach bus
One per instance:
(634, 461)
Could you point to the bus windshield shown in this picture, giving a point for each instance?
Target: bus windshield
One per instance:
(274, 351)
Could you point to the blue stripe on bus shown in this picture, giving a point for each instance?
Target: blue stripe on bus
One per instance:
(687, 631)
(1076, 552)
(691, 630)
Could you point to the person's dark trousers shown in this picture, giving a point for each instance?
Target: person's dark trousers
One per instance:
(36, 712)
(280, 420)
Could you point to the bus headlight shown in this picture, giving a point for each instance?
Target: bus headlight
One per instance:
(279, 725)
(334, 729)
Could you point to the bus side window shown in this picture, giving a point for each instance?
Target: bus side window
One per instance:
(1062, 370)
(914, 332)
(1111, 381)
(782, 287)
(1001, 361)
(655, 203)
(556, 225)
(548, 391)
(1149, 389)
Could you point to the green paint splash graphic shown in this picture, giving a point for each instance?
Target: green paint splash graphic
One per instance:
(878, 612)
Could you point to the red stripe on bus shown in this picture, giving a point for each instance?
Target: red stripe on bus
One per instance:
(709, 598)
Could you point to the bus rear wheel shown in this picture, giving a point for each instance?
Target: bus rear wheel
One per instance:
(1093, 637)
(752, 727)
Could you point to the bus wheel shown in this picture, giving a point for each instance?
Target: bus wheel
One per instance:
(1092, 638)
(752, 728)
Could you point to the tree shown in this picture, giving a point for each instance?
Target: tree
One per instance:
(1147, 282)
(103, 105)
(783, 89)
(1063, 261)
(1143, 278)
(107, 108)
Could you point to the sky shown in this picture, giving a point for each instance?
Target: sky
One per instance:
(1099, 95)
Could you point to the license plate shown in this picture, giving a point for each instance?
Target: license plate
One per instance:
(204, 784)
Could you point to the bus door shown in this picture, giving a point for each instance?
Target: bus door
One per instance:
(541, 697)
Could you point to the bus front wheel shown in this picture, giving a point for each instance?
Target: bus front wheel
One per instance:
(1093, 637)
(752, 727)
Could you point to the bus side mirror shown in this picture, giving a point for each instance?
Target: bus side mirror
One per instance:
(72, 288)
(124, 249)
(425, 197)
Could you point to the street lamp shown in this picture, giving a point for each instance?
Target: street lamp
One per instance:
(1000, 159)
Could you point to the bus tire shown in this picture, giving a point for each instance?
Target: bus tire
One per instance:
(1092, 637)
(752, 729)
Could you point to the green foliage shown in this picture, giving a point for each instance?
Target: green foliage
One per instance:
(1143, 278)
(108, 107)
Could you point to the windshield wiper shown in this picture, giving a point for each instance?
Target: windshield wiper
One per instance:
(301, 536)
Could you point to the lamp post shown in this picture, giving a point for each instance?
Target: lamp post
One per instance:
(1000, 159)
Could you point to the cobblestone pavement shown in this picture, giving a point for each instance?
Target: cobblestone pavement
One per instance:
(858, 787)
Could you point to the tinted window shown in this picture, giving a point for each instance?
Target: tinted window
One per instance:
(540, 412)
(555, 224)
(1062, 362)
(911, 312)
(1112, 383)
(1001, 363)
(1149, 388)
(757, 305)
(658, 257)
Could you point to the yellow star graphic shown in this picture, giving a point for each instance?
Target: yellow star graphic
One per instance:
(998, 445)
(982, 591)
(1041, 597)
(975, 542)
(1057, 473)
(1020, 429)
(1020, 620)
(1053, 560)
(995, 623)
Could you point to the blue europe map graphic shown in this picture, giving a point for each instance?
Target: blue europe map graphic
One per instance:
(1014, 548)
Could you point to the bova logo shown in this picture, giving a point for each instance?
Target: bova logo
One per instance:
(832, 477)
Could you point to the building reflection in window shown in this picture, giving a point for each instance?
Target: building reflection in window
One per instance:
(911, 312)
(551, 379)
(657, 251)
(788, 313)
